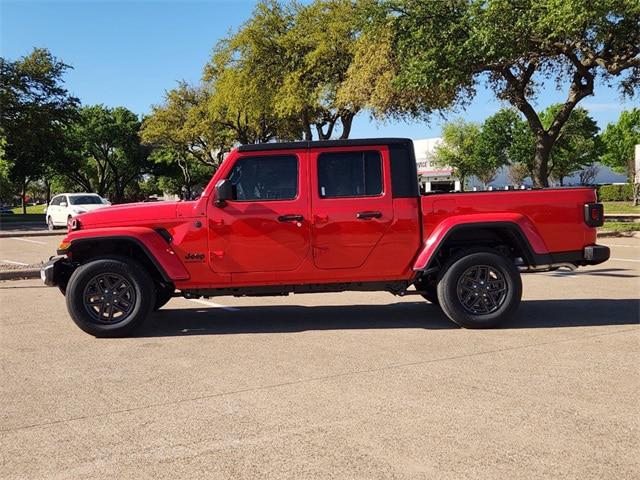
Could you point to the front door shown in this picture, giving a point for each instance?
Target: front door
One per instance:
(352, 204)
(265, 227)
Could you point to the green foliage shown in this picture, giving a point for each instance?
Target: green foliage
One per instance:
(620, 140)
(615, 193)
(621, 226)
(505, 139)
(620, 207)
(279, 75)
(459, 149)
(435, 54)
(35, 108)
(106, 152)
(578, 144)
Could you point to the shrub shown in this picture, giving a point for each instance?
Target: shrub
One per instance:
(615, 193)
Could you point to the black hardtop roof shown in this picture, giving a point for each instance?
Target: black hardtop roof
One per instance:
(261, 147)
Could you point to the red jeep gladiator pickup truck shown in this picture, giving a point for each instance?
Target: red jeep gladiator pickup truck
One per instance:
(327, 216)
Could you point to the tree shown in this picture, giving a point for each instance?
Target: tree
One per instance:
(577, 146)
(459, 149)
(185, 123)
(588, 174)
(319, 49)
(493, 149)
(517, 173)
(107, 152)
(245, 74)
(439, 53)
(34, 110)
(619, 141)
(185, 137)
(279, 75)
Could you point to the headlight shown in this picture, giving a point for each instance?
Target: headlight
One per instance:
(78, 211)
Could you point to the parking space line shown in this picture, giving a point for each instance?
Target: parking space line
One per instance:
(212, 304)
(624, 246)
(27, 240)
(14, 263)
(625, 259)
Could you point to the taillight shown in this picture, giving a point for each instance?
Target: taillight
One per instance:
(594, 214)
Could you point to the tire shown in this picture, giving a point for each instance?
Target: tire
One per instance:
(462, 294)
(163, 295)
(50, 225)
(97, 281)
(69, 218)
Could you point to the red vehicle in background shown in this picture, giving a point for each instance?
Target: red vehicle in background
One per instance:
(325, 216)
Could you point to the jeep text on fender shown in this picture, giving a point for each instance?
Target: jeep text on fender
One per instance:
(322, 217)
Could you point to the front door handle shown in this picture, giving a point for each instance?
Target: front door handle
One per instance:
(290, 218)
(368, 215)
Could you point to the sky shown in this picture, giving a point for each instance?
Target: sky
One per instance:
(129, 53)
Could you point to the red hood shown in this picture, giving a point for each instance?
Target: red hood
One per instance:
(130, 214)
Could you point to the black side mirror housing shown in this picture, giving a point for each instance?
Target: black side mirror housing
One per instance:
(224, 192)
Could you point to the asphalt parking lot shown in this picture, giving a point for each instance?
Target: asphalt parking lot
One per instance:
(21, 250)
(352, 385)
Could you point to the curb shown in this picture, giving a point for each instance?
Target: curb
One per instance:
(18, 233)
(19, 274)
(613, 234)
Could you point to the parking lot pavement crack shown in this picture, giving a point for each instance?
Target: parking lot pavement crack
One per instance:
(315, 379)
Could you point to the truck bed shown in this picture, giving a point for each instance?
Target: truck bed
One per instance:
(556, 213)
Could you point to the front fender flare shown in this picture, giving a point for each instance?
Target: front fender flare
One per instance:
(521, 225)
(155, 247)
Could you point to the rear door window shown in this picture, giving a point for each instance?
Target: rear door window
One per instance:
(350, 174)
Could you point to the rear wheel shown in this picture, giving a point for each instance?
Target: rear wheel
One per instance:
(110, 296)
(479, 289)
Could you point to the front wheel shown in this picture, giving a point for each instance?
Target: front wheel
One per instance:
(163, 295)
(110, 296)
(50, 225)
(480, 289)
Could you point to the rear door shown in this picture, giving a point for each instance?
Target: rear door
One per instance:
(351, 204)
(53, 210)
(265, 227)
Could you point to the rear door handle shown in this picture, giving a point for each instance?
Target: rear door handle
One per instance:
(290, 218)
(368, 215)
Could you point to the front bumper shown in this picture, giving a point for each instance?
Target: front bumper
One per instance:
(56, 271)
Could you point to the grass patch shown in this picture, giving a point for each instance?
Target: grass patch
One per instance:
(31, 209)
(621, 226)
(620, 207)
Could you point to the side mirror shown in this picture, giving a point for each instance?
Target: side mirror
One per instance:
(63, 204)
(224, 192)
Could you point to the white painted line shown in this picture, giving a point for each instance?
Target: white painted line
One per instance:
(625, 246)
(14, 263)
(625, 260)
(212, 304)
(27, 240)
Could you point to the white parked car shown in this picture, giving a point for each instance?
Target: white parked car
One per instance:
(65, 206)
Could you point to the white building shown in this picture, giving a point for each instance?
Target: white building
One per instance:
(432, 178)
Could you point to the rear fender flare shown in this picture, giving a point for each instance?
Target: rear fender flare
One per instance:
(527, 235)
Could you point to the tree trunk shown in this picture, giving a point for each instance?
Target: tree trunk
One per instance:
(541, 161)
(347, 121)
(23, 192)
(48, 187)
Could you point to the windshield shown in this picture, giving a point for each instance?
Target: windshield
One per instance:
(85, 200)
